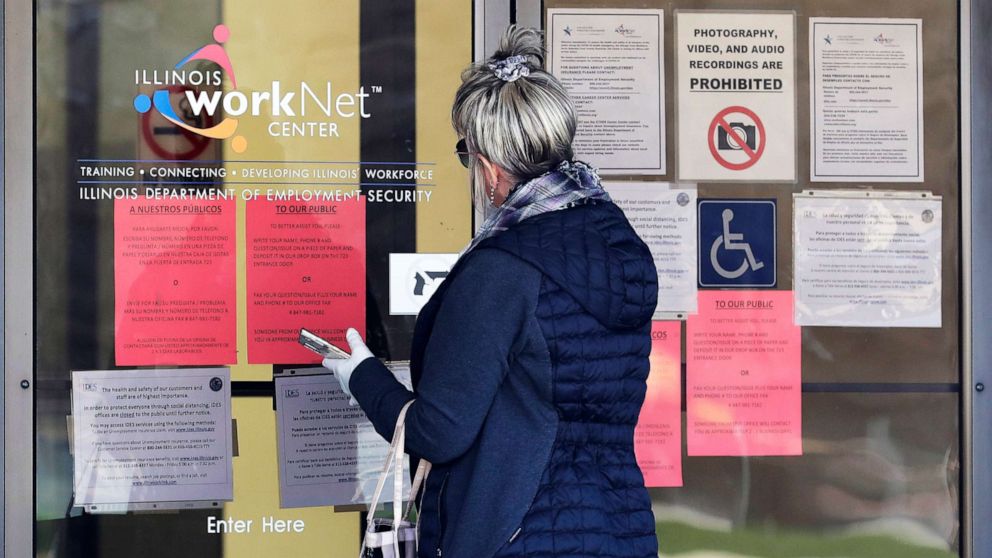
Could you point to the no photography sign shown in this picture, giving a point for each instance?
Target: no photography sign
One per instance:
(736, 96)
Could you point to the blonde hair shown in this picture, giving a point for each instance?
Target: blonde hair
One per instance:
(526, 126)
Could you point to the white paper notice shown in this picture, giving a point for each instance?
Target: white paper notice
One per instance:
(665, 219)
(867, 262)
(610, 60)
(143, 436)
(866, 100)
(736, 95)
(413, 278)
(329, 453)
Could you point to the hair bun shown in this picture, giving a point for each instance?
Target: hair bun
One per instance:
(521, 41)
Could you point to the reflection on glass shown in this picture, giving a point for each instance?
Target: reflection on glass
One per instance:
(879, 478)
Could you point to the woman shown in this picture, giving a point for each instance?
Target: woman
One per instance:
(529, 362)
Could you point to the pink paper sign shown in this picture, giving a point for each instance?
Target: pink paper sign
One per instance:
(174, 282)
(658, 435)
(743, 375)
(305, 269)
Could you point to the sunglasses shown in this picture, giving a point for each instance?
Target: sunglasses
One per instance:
(464, 155)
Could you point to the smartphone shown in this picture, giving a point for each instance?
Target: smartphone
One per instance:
(320, 346)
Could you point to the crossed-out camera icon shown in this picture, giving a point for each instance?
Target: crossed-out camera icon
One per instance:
(727, 142)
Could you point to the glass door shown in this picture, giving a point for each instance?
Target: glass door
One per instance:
(177, 144)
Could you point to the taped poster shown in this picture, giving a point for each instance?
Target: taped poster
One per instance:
(174, 282)
(866, 99)
(658, 435)
(306, 269)
(611, 61)
(665, 219)
(743, 375)
(867, 260)
(736, 95)
(329, 452)
(159, 437)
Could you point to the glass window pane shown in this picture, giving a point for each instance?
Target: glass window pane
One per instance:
(879, 478)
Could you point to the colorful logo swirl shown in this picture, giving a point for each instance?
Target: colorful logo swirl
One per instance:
(160, 99)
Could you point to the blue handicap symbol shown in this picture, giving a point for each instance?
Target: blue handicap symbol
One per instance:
(737, 243)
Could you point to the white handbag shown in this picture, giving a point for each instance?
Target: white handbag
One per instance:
(395, 537)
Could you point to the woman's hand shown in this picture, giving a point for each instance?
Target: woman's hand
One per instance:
(343, 367)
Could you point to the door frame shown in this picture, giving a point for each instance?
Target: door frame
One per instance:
(18, 264)
(17, 345)
(976, 264)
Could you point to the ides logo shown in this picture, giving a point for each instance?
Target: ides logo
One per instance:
(203, 101)
(881, 39)
(624, 31)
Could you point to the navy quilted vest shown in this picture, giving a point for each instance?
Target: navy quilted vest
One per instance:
(598, 292)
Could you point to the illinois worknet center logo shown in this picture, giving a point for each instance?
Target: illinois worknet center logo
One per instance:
(192, 98)
(183, 81)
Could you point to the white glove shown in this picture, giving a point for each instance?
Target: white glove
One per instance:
(343, 367)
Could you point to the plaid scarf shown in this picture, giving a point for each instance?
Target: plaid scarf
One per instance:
(571, 183)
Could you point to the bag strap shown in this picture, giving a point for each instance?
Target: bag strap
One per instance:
(422, 471)
(394, 461)
(398, 481)
(398, 475)
(391, 458)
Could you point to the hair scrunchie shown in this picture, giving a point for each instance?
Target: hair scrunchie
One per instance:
(511, 68)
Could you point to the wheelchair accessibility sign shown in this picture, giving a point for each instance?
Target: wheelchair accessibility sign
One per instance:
(737, 243)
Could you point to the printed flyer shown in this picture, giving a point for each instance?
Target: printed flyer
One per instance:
(612, 63)
(743, 375)
(306, 269)
(736, 95)
(658, 436)
(665, 219)
(174, 282)
(868, 261)
(329, 453)
(866, 99)
(151, 436)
